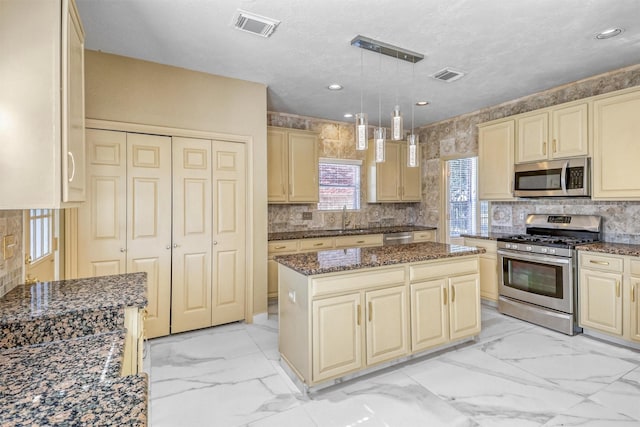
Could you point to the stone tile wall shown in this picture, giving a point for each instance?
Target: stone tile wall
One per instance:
(11, 268)
(458, 137)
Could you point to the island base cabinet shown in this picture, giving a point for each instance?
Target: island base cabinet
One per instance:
(134, 340)
(337, 336)
(443, 310)
(386, 331)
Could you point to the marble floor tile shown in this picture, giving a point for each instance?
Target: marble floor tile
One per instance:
(515, 374)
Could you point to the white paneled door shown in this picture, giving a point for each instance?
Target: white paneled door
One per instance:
(229, 234)
(192, 223)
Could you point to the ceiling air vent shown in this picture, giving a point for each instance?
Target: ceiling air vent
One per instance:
(255, 24)
(448, 75)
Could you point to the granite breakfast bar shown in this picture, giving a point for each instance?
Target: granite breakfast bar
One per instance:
(346, 312)
(69, 353)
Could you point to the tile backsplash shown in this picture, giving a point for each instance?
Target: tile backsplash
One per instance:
(11, 268)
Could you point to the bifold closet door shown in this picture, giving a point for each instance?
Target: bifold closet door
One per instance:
(102, 237)
(191, 275)
(229, 234)
(149, 223)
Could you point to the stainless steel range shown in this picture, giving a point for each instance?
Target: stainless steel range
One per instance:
(537, 270)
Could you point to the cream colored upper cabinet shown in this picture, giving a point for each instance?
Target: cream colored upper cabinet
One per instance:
(569, 131)
(495, 160)
(552, 134)
(532, 138)
(392, 180)
(292, 166)
(616, 147)
(42, 86)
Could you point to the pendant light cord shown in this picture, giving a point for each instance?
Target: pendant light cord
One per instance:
(413, 85)
(380, 92)
(361, 78)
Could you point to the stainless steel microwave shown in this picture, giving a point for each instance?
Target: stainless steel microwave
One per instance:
(555, 178)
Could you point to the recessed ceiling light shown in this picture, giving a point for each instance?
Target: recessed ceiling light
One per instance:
(334, 86)
(348, 115)
(607, 34)
(422, 103)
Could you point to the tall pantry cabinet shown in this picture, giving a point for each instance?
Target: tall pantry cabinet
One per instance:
(172, 207)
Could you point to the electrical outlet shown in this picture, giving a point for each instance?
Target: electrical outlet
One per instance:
(521, 216)
(8, 246)
(307, 216)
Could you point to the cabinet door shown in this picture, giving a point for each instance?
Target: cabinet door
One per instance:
(191, 255)
(411, 177)
(464, 309)
(303, 168)
(601, 301)
(387, 320)
(569, 132)
(388, 175)
(229, 232)
(73, 136)
(272, 278)
(102, 220)
(489, 277)
(277, 169)
(616, 147)
(495, 161)
(532, 143)
(634, 299)
(429, 314)
(336, 336)
(149, 223)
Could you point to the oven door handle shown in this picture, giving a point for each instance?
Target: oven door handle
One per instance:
(534, 258)
(563, 177)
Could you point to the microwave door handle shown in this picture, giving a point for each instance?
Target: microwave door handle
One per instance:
(563, 177)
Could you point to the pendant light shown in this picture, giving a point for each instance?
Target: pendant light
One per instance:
(380, 133)
(362, 124)
(412, 139)
(397, 130)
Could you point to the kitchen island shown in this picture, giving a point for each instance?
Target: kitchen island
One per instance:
(70, 353)
(343, 313)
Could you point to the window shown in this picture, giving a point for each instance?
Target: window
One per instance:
(465, 213)
(40, 224)
(339, 184)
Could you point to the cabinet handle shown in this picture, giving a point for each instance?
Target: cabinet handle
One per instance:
(554, 146)
(359, 314)
(453, 294)
(370, 311)
(544, 148)
(599, 262)
(280, 247)
(73, 165)
(444, 297)
(633, 293)
(617, 289)
(360, 241)
(318, 244)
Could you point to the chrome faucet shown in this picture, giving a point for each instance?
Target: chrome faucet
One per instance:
(345, 221)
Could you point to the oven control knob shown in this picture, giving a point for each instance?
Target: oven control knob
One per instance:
(529, 248)
(552, 251)
(508, 245)
(543, 250)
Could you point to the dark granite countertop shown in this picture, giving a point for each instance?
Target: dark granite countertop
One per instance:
(486, 236)
(309, 234)
(61, 351)
(611, 248)
(321, 262)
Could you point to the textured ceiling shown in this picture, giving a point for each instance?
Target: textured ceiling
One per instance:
(507, 48)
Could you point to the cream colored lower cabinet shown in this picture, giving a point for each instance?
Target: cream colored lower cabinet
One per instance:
(488, 267)
(425, 236)
(337, 324)
(608, 295)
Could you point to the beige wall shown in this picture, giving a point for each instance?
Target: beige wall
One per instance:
(129, 90)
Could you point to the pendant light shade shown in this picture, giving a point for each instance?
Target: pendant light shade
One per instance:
(380, 134)
(412, 151)
(397, 130)
(361, 133)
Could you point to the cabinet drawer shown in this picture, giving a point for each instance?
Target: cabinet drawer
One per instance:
(315, 244)
(444, 268)
(356, 281)
(283, 246)
(359, 241)
(424, 236)
(635, 267)
(601, 262)
(491, 246)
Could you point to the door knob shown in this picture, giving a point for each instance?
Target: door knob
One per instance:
(175, 245)
(215, 242)
(123, 250)
(168, 246)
